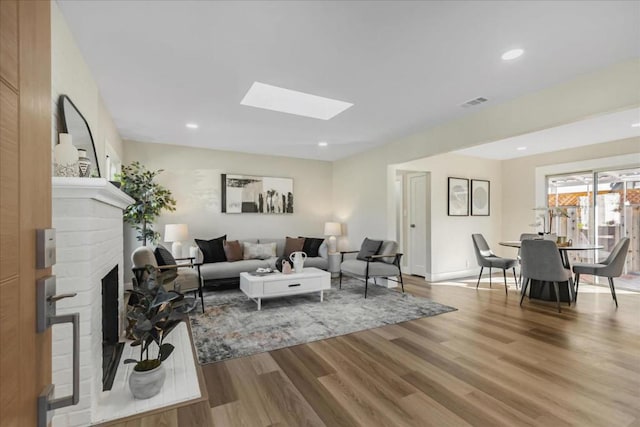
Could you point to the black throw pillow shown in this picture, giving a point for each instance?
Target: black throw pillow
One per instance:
(212, 250)
(311, 246)
(163, 256)
(369, 247)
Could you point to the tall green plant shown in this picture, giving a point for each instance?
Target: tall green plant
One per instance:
(150, 199)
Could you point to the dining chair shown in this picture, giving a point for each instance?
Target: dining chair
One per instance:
(609, 268)
(541, 261)
(486, 258)
(525, 236)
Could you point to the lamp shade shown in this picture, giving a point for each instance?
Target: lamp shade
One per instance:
(332, 229)
(176, 232)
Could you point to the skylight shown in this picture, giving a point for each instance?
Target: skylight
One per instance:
(274, 98)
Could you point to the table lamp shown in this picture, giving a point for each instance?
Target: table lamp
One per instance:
(176, 233)
(332, 229)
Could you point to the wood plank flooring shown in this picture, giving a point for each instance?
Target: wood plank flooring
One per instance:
(490, 363)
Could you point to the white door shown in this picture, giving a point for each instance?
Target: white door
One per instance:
(417, 225)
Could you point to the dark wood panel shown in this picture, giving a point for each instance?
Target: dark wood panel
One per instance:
(9, 42)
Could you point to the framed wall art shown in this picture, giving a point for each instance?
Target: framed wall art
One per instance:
(480, 197)
(256, 194)
(458, 203)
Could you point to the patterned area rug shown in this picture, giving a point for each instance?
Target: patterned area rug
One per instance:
(232, 327)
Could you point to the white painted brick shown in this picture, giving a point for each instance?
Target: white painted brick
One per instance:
(80, 418)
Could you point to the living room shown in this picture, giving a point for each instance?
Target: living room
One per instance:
(388, 316)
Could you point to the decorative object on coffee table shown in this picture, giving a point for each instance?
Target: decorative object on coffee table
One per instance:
(297, 259)
(256, 194)
(458, 201)
(66, 157)
(480, 197)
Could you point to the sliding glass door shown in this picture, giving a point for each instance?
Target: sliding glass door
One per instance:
(599, 207)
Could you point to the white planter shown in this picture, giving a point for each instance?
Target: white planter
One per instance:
(144, 385)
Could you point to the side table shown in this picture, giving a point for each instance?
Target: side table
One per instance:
(334, 264)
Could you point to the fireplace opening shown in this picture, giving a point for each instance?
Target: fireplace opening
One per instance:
(111, 347)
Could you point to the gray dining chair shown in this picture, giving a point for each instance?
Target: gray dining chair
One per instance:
(525, 236)
(541, 261)
(609, 268)
(486, 258)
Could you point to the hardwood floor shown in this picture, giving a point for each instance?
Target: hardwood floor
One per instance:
(490, 363)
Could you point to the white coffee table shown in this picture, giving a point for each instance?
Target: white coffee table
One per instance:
(279, 285)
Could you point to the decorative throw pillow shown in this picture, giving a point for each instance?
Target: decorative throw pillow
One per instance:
(232, 250)
(293, 245)
(163, 256)
(368, 248)
(258, 250)
(312, 246)
(212, 250)
(389, 247)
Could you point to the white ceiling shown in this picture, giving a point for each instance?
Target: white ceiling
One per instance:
(594, 130)
(405, 65)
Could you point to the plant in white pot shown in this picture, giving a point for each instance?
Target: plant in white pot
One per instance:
(154, 314)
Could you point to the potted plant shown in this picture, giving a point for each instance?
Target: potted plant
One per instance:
(155, 313)
(150, 198)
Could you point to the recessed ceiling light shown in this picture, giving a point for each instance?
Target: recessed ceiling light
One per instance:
(521, 148)
(261, 95)
(323, 144)
(636, 125)
(192, 125)
(512, 54)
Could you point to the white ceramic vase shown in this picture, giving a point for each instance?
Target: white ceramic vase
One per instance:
(66, 157)
(146, 384)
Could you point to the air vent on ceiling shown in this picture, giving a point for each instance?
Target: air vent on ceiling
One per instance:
(474, 102)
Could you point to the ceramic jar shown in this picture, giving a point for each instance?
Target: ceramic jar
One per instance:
(84, 164)
(66, 157)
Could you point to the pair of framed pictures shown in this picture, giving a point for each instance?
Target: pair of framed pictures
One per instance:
(458, 204)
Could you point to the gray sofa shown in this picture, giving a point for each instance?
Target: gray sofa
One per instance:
(227, 274)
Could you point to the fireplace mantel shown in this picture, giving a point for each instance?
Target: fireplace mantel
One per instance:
(90, 188)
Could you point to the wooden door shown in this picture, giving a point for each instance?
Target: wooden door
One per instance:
(25, 203)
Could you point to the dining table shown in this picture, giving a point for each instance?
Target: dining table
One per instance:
(543, 290)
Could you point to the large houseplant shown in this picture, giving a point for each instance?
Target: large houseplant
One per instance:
(154, 315)
(150, 199)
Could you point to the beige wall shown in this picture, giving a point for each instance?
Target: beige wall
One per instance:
(362, 186)
(519, 179)
(452, 254)
(71, 76)
(193, 176)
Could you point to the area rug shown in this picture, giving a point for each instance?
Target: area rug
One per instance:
(232, 327)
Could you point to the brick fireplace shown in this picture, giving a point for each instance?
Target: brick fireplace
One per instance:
(87, 216)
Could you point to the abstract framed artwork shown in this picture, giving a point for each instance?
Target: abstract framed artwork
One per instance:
(458, 203)
(480, 197)
(256, 194)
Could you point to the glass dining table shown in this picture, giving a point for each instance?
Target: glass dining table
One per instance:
(543, 290)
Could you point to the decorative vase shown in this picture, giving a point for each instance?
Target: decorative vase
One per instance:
(65, 156)
(84, 164)
(146, 384)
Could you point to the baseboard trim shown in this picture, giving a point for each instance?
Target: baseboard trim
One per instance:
(438, 277)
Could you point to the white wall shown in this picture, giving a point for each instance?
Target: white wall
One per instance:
(193, 176)
(452, 252)
(362, 186)
(71, 76)
(519, 179)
